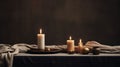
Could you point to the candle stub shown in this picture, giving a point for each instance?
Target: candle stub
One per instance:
(41, 40)
(70, 45)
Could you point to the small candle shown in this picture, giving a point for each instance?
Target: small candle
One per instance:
(80, 43)
(41, 40)
(80, 46)
(70, 45)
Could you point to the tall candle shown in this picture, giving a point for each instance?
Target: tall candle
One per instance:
(70, 45)
(41, 40)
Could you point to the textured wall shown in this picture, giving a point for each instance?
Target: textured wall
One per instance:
(20, 20)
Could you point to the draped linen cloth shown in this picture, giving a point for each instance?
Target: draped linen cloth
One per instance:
(7, 51)
(103, 48)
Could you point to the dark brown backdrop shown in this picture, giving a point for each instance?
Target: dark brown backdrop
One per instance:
(20, 20)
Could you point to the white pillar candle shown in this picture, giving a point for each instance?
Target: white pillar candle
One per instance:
(70, 45)
(41, 40)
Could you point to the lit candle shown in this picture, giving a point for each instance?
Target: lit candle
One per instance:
(80, 43)
(41, 40)
(80, 46)
(70, 45)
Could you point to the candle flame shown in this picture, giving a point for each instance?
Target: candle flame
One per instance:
(70, 37)
(80, 42)
(40, 31)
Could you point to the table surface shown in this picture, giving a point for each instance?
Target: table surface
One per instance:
(65, 54)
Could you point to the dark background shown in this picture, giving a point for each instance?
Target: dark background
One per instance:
(20, 21)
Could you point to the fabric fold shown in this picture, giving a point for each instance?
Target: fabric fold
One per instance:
(7, 52)
(103, 48)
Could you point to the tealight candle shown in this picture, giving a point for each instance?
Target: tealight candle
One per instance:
(41, 40)
(70, 45)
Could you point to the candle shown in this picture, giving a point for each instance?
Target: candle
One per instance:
(80, 43)
(80, 46)
(41, 40)
(70, 45)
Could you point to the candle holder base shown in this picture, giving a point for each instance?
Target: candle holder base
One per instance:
(49, 51)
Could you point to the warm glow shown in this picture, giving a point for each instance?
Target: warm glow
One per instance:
(70, 37)
(40, 31)
(80, 42)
